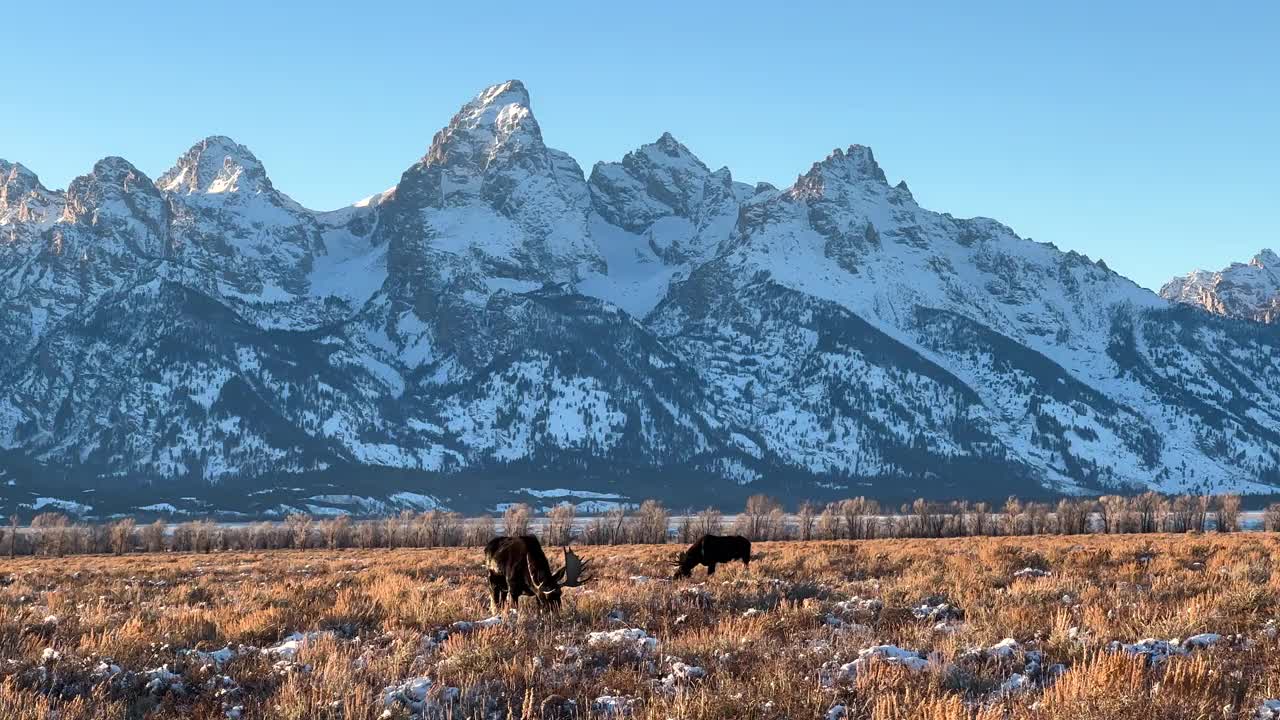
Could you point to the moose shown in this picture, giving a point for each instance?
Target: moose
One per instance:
(710, 550)
(517, 566)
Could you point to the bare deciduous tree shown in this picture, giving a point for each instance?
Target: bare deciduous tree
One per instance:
(1229, 513)
(1037, 515)
(829, 522)
(1200, 512)
(684, 531)
(560, 523)
(1115, 513)
(861, 517)
(607, 528)
(515, 520)
(13, 535)
(1012, 516)
(51, 533)
(479, 531)
(299, 525)
(651, 523)
(153, 536)
(441, 528)
(121, 535)
(1271, 518)
(1072, 517)
(336, 531)
(758, 518)
(1146, 511)
(708, 522)
(929, 522)
(806, 516)
(981, 519)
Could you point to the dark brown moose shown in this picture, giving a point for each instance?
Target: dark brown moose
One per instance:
(517, 566)
(711, 550)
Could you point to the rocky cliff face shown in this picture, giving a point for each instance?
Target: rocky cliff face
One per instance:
(497, 327)
(1250, 291)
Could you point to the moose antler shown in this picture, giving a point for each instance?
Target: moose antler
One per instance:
(573, 569)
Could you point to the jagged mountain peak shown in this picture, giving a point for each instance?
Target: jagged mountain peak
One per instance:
(489, 168)
(109, 169)
(251, 244)
(23, 199)
(666, 154)
(14, 172)
(1266, 258)
(112, 179)
(499, 119)
(16, 183)
(656, 180)
(511, 92)
(668, 145)
(856, 165)
(667, 140)
(1242, 290)
(216, 165)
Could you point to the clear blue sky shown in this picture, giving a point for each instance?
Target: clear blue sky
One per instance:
(1145, 135)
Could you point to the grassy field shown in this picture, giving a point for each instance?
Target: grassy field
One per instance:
(1029, 627)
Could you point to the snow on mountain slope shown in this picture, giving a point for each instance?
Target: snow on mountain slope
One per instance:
(24, 201)
(27, 209)
(1244, 290)
(665, 193)
(637, 278)
(352, 266)
(658, 213)
(496, 322)
(490, 198)
(843, 233)
(1028, 328)
(570, 375)
(246, 241)
(111, 224)
(211, 397)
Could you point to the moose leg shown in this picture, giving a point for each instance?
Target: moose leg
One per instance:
(497, 592)
(711, 569)
(515, 587)
(746, 562)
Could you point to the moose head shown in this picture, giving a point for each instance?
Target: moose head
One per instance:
(571, 574)
(683, 564)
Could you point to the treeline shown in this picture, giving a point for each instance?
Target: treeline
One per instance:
(763, 518)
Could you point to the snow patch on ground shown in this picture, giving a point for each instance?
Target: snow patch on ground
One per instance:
(562, 493)
(891, 654)
(634, 638)
(48, 503)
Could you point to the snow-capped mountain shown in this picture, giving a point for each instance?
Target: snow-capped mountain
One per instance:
(109, 225)
(1243, 290)
(498, 327)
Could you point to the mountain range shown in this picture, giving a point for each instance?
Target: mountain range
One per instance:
(1250, 291)
(502, 326)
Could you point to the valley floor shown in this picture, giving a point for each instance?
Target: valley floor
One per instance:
(1169, 626)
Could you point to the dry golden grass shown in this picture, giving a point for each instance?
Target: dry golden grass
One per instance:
(771, 641)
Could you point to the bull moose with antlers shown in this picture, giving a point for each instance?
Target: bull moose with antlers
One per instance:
(517, 566)
(711, 550)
